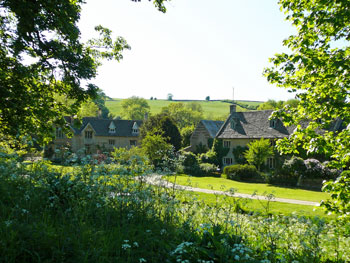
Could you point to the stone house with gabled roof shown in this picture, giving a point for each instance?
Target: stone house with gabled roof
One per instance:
(240, 128)
(204, 132)
(96, 134)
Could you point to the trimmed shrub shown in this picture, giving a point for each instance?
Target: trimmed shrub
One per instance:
(314, 168)
(329, 173)
(208, 169)
(190, 164)
(243, 172)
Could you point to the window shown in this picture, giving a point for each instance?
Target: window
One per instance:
(135, 130)
(271, 163)
(273, 143)
(111, 142)
(112, 130)
(59, 133)
(227, 144)
(132, 142)
(273, 123)
(228, 161)
(88, 134)
(234, 123)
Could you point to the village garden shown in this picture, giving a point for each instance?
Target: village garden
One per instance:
(88, 210)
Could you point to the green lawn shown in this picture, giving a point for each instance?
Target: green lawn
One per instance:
(274, 207)
(212, 109)
(249, 188)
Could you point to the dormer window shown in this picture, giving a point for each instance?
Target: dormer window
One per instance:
(234, 122)
(135, 128)
(273, 123)
(88, 134)
(111, 128)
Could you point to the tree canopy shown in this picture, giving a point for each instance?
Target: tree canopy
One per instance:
(135, 108)
(163, 125)
(184, 115)
(317, 69)
(41, 54)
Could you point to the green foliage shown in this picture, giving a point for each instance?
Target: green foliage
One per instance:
(102, 213)
(190, 164)
(207, 98)
(163, 125)
(217, 152)
(315, 68)
(184, 114)
(134, 108)
(200, 148)
(186, 133)
(58, 64)
(258, 152)
(208, 157)
(170, 96)
(276, 105)
(208, 169)
(238, 153)
(156, 148)
(242, 172)
(125, 156)
(339, 190)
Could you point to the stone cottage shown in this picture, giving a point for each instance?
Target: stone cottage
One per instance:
(96, 134)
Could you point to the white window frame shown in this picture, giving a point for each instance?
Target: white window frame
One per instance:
(111, 142)
(227, 144)
(228, 161)
(273, 123)
(88, 134)
(271, 162)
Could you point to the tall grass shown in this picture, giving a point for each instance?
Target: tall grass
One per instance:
(107, 213)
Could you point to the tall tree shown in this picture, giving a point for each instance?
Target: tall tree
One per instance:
(184, 115)
(163, 125)
(135, 108)
(41, 54)
(317, 67)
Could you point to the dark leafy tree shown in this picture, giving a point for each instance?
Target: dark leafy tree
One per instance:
(41, 54)
(163, 125)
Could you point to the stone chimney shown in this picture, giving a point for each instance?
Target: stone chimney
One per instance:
(99, 113)
(232, 108)
(145, 116)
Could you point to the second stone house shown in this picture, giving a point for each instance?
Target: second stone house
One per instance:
(96, 134)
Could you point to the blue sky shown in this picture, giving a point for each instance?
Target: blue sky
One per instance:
(198, 48)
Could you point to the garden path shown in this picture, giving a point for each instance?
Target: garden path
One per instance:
(156, 179)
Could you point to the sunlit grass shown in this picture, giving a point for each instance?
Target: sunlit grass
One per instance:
(249, 188)
(211, 109)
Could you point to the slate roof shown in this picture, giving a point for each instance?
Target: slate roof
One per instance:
(212, 126)
(253, 125)
(123, 128)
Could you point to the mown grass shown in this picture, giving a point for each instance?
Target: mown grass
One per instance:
(265, 206)
(211, 109)
(249, 188)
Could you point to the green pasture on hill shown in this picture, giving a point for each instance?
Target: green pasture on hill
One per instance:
(212, 109)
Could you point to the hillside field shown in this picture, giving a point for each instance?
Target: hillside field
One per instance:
(212, 109)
